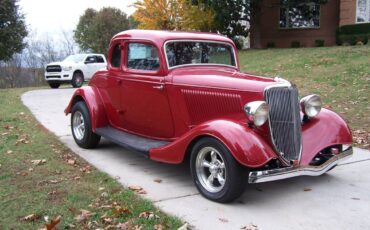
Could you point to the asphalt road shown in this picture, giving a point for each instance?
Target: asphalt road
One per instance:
(337, 200)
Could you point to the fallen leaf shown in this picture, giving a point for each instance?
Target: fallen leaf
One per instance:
(223, 220)
(52, 193)
(53, 223)
(158, 227)
(148, 215)
(71, 226)
(184, 227)
(9, 152)
(307, 189)
(30, 169)
(106, 206)
(118, 210)
(138, 227)
(123, 226)
(101, 188)
(31, 217)
(76, 178)
(249, 227)
(54, 181)
(134, 188)
(84, 215)
(106, 219)
(104, 194)
(158, 180)
(38, 162)
(71, 162)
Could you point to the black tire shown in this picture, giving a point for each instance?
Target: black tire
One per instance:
(89, 139)
(54, 85)
(77, 80)
(235, 177)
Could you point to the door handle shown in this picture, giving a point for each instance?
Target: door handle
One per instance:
(159, 87)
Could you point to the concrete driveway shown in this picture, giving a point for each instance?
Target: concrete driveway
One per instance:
(337, 200)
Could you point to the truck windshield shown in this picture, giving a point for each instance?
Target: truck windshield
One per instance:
(75, 58)
(180, 53)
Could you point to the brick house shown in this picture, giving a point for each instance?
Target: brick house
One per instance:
(279, 27)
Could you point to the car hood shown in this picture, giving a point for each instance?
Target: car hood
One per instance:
(223, 78)
(62, 63)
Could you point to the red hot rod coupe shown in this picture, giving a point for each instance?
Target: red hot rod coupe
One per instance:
(175, 96)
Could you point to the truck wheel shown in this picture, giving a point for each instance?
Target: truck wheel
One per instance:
(54, 85)
(216, 174)
(81, 126)
(77, 80)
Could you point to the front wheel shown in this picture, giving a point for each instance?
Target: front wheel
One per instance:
(54, 85)
(216, 174)
(81, 126)
(77, 80)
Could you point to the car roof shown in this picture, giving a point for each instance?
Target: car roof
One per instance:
(160, 37)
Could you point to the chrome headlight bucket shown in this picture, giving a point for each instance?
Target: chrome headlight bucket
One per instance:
(257, 112)
(311, 105)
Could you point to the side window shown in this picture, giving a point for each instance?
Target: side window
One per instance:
(90, 59)
(99, 59)
(142, 57)
(116, 56)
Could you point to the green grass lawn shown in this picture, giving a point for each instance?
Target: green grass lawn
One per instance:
(32, 193)
(340, 75)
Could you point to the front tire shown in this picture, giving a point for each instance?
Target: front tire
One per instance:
(77, 80)
(81, 127)
(54, 85)
(216, 174)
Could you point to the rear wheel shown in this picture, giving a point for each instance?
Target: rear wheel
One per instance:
(54, 85)
(81, 126)
(77, 80)
(216, 174)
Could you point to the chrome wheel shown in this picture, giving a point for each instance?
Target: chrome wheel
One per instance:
(210, 169)
(78, 125)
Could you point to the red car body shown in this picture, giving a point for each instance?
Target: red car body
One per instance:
(183, 104)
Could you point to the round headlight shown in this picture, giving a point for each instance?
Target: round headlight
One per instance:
(257, 112)
(311, 105)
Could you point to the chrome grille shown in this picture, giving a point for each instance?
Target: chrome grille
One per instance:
(285, 121)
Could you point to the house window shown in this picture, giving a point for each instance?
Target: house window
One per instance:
(301, 15)
(363, 10)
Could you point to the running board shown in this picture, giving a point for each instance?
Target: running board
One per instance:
(130, 141)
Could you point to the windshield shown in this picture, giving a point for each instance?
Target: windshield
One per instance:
(199, 53)
(75, 58)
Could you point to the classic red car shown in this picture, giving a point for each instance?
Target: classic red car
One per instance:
(175, 96)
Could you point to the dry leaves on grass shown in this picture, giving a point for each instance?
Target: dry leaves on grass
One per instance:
(84, 215)
(31, 217)
(53, 223)
(158, 227)
(23, 140)
(137, 189)
(38, 162)
(361, 137)
(148, 215)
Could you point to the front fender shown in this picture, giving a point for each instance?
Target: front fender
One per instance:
(325, 130)
(248, 148)
(91, 97)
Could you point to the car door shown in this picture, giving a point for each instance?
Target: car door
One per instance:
(90, 62)
(144, 102)
(100, 62)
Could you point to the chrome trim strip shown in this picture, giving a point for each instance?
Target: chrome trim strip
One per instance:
(199, 64)
(284, 173)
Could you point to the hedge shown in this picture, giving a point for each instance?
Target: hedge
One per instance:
(352, 34)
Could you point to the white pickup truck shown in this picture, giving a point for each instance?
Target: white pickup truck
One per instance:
(74, 69)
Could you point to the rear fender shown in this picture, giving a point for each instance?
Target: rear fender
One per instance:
(91, 97)
(245, 145)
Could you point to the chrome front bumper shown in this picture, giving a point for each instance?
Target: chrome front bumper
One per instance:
(283, 173)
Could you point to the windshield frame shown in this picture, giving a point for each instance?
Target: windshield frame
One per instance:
(80, 60)
(236, 66)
